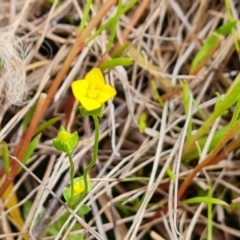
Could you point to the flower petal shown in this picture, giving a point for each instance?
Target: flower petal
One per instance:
(80, 88)
(106, 93)
(95, 78)
(90, 104)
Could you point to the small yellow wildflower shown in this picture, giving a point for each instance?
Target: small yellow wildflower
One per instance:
(78, 188)
(92, 92)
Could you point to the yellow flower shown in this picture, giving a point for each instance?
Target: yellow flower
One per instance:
(78, 188)
(92, 92)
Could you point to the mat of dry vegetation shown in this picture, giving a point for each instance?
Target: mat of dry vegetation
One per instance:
(140, 164)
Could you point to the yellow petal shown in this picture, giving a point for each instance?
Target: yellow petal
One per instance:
(90, 104)
(106, 93)
(95, 78)
(80, 88)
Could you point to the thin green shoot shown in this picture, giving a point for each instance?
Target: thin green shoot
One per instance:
(85, 15)
(207, 200)
(236, 113)
(186, 102)
(41, 127)
(209, 216)
(221, 107)
(116, 62)
(113, 28)
(5, 154)
(156, 94)
(142, 122)
(128, 6)
(233, 29)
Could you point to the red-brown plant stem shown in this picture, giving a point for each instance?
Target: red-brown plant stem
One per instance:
(24, 142)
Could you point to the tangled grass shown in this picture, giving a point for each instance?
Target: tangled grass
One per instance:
(143, 150)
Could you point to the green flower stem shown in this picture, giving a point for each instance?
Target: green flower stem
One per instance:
(71, 172)
(95, 154)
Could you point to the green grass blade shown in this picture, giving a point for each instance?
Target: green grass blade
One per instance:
(209, 216)
(205, 52)
(128, 6)
(116, 62)
(142, 123)
(5, 154)
(41, 127)
(206, 200)
(113, 29)
(186, 102)
(85, 15)
(226, 28)
(31, 148)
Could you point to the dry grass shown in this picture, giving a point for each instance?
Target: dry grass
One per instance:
(163, 43)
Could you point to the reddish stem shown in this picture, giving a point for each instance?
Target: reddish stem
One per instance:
(24, 142)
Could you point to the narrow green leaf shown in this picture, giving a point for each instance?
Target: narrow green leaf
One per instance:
(128, 6)
(231, 97)
(186, 102)
(113, 28)
(205, 52)
(236, 113)
(28, 116)
(209, 215)
(41, 127)
(201, 142)
(142, 123)
(110, 21)
(31, 148)
(226, 28)
(118, 52)
(205, 200)
(84, 209)
(85, 15)
(5, 154)
(116, 62)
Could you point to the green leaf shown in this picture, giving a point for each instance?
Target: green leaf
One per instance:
(99, 30)
(186, 102)
(142, 123)
(114, 26)
(26, 209)
(205, 52)
(128, 6)
(216, 139)
(75, 237)
(67, 194)
(31, 148)
(236, 114)
(116, 62)
(118, 52)
(226, 28)
(84, 209)
(28, 116)
(5, 155)
(85, 15)
(205, 200)
(41, 127)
